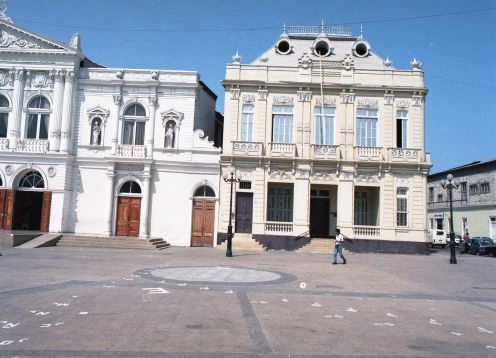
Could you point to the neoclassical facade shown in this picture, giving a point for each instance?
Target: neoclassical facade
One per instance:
(324, 133)
(103, 151)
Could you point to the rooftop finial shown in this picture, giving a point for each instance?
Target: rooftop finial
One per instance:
(284, 28)
(3, 10)
(322, 25)
(236, 58)
(361, 31)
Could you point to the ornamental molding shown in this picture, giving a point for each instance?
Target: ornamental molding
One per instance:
(368, 102)
(282, 100)
(249, 98)
(367, 178)
(328, 101)
(346, 175)
(40, 79)
(304, 96)
(403, 104)
(324, 176)
(402, 181)
(348, 62)
(305, 61)
(262, 95)
(234, 94)
(117, 99)
(99, 112)
(417, 100)
(4, 77)
(302, 174)
(9, 169)
(281, 174)
(405, 153)
(389, 99)
(173, 115)
(348, 98)
(65, 135)
(8, 40)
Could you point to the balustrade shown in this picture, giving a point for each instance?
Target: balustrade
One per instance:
(366, 231)
(131, 151)
(282, 150)
(278, 226)
(33, 145)
(247, 148)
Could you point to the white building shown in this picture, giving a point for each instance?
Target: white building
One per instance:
(325, 134)
(103, 151)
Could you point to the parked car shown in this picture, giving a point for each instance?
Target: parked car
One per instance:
(480, 245)
(437, 237)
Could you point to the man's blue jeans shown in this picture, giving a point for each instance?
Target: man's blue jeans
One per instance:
(338, 249)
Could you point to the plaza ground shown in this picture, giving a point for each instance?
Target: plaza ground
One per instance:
(195, 302)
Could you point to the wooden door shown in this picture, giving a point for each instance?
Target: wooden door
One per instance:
(202, 226)
(45, 211)
(319, 217)
(128, 216)
(244, 212)
(9, 210)
(3, 208)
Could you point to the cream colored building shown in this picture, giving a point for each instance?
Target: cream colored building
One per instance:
(324, 133)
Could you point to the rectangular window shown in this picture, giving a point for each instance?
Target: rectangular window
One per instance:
(247, 123)
(473, 189)
(440, 198)
(431, 195)
(402, 207)
(280, 203)
(324, 125)
(361, 208)
(402, 129)
(463, 191)
(484, 188)
(32, 126)
(366, 127)
(282, 124)
(37, 126)
(133, 133)
(3, 124)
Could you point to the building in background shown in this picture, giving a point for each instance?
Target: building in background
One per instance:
(474, 201)
(325, 134)
(103, 151)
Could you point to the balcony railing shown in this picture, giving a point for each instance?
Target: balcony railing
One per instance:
(368, 153)
(323, 151)
(404, 155)
(366, 231)
(282, 150)
(252, 149)
(4, 143)
(33, 145)
(131, 151)
(279, 227)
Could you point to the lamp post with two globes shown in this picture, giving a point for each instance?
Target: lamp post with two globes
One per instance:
(451, 184)
(231, 177)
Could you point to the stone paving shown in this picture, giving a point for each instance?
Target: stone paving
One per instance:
(194, 302)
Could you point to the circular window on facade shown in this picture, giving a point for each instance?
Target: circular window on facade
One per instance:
(322, 48)
(130, 187)
(283, 47)
(32, 180)
(204, 191)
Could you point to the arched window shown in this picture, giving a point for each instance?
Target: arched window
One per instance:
(38, 117)
(130, 187)
(96, 131)
(4, 116)
(134, 125)
(32, 180)
(204, 191)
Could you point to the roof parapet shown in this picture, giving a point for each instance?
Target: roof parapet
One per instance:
(328, 30)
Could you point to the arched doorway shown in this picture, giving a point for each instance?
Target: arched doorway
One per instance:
(128, 209)
(28, 207)
(203, 220)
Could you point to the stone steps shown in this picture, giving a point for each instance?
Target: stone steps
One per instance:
(318, 246)
(117, 242)
(243, 242)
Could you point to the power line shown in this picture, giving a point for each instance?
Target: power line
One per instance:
(127, 29)
(466, 83)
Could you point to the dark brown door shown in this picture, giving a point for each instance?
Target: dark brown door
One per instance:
(319, 217)
(9, 210)
(3, 208)
(128, 216)
(45, 211)
(202, 226)
(244, 212)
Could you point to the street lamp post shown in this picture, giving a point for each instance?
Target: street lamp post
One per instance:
(451, 184)
(230, 178)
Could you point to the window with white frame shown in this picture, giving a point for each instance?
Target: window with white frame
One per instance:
(484, 188)
(401, 207)
(133, 126)
(4, 116)
(361, 208)
(247, 123)
(366, 127)
(324, 125)
(402, 129)
(282, 124)
(37, 118)
(280, 202)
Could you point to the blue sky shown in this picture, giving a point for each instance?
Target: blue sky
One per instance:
(454, 39)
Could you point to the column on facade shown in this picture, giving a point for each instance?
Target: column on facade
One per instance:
(65, 133)
(301, 202)
(56, 117)
(150, 131)
(115, 134)
(109, 187)
(345, 203)
(145, 200)
(14, 124)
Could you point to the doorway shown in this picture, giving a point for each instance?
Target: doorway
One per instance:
(202, 226)
(128, 216)
(244, 212)
(319, 217)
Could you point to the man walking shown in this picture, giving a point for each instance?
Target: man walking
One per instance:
(338, 249)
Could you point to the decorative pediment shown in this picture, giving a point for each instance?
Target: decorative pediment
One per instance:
(98, 112)
(14, 38)
(173, 115)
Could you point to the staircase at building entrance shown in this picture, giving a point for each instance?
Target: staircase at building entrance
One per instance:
(116, 242)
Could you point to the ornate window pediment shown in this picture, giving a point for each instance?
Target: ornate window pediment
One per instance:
(173, 115)
(171, 121)
(98, 112)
